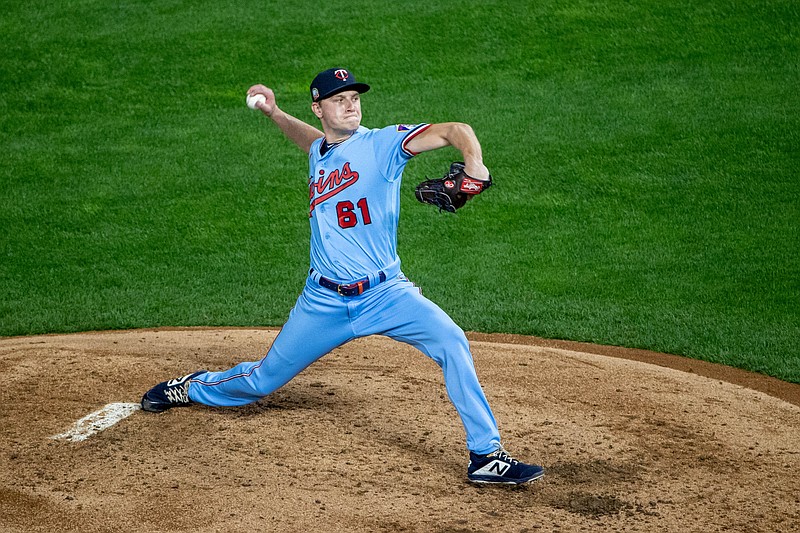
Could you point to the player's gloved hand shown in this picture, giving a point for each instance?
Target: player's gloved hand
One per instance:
(451, 192)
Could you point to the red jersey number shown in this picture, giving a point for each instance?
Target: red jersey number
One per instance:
(346, 212)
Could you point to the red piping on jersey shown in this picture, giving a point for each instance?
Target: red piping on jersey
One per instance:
(229, 378)
(411, 136)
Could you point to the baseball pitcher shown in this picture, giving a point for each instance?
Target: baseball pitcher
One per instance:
(355, 286)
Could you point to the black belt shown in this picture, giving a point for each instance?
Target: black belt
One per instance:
(350, 289)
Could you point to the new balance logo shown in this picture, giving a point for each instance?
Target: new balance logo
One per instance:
(499, 467)
(496, 468)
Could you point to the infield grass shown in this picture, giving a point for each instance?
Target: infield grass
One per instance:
(645, 155)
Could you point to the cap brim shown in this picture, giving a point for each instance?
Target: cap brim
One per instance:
(358, 87)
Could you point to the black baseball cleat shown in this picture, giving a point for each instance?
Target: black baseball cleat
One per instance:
(169, 394)
(499, 467)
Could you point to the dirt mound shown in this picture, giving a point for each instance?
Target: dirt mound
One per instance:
(366, 440)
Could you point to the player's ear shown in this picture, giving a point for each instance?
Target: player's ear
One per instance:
(317, 109)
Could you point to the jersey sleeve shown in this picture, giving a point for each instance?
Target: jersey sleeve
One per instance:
(393, 142)
(313, 152)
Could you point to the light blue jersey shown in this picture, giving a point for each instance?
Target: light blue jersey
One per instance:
(354, 201)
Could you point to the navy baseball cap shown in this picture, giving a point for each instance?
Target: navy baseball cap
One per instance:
(333, 81)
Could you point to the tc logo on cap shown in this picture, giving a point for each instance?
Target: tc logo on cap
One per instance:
(341, 74)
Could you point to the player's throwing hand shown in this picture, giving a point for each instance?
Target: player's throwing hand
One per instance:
(268, 105)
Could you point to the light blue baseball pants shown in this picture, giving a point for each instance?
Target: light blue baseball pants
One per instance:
(322, 320)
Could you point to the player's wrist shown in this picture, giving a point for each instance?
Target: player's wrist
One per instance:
(477, 170)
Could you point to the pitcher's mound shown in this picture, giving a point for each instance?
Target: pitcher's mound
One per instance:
(366, 440)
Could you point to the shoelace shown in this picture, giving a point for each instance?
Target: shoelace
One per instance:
(178, 394)
(503, 455)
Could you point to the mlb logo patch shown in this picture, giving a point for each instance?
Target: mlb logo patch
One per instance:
(406, 127)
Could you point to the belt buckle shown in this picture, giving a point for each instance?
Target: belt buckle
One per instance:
(339, 290)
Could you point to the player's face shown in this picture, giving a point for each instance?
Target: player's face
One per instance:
(340, 113)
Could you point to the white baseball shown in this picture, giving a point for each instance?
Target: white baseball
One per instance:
(253, 101)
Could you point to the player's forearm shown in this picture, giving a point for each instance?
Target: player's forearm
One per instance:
(458, 135)
(296, 130)
(462, 138)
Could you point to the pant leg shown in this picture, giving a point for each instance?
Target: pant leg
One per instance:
(399, 311)
(317, 324)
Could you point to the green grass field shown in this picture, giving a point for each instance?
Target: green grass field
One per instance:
(645, 155)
